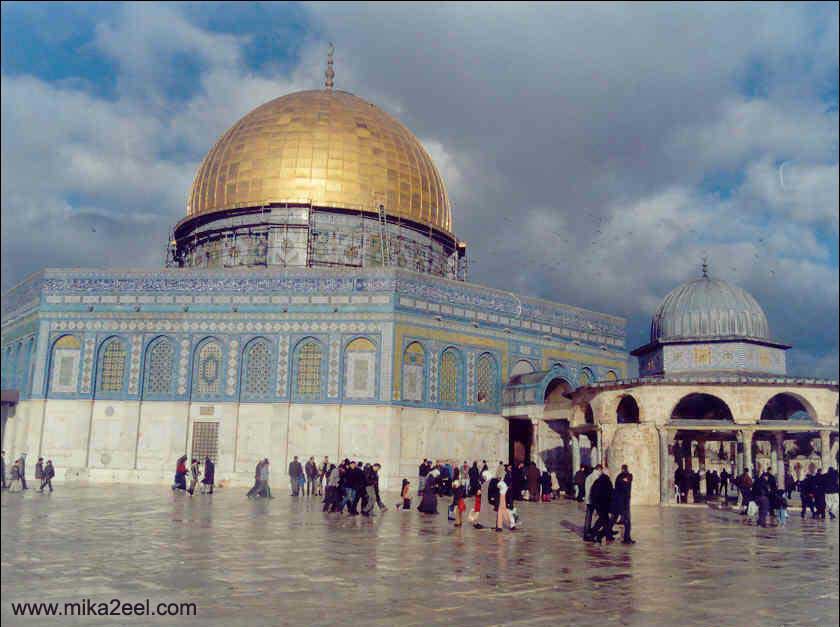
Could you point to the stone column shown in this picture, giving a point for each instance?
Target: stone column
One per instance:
(779, 452)
(664, 466)
(748, 461)
(575, 443)
(535, 445)
(825, 449)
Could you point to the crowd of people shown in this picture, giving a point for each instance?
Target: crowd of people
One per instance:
(195, 472)
(44, 472)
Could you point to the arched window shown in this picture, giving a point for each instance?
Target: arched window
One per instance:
(585, 377)
(786, 407)
(413, 372)
(523, 366)
(486, 388)
(208, 369)
(112, 373)
(628, 410)
(450, 372)
(160, 358)
(360, 369)
(308, 369)
(65, 364)
(256, 370)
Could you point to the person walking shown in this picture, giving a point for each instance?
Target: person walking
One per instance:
(209, 476)
(422, 471)
(459, 505)
(48, 474)
(39, 470)
(180, 474)
(724, 486)
(806, 492)
(621, 503)
(195, 473)
(15, 485)
(265, 473)
(256, 487)
(405, 495)
(295, 473)
(532, 475)
(475, 478)
(428, 504)
(22, 471)
(830, 488)
(503, 513)
(3, 485)
(322, 475)
(745, 484)
(545, 486)
(382, 507)
(580, 483)
(555, 485)
(311, 470)
(783, 508)
(601, 497)
(590, 506)
(369, 497)
(818, 486)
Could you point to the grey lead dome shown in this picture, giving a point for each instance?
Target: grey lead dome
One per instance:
(708, 308)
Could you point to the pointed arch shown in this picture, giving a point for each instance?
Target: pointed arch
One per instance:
(64, 364)
(257, 370)
(208, 367)
(414, 372)
(450, 376)
(486, 381)
(359, 371)
(308, 369)
(112, 366)
(158, 368)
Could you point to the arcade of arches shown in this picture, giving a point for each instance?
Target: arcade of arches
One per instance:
(656, 427)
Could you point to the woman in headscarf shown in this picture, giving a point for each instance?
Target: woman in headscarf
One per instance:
(209, 475)
(475, 478)
(429, 503)
(487, 514)
(503, 514)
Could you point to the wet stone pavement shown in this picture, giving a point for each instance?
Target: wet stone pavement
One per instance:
(284, 562)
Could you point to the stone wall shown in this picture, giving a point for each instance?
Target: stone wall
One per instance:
(128, 441)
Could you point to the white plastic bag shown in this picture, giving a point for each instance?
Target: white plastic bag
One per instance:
(752, 509)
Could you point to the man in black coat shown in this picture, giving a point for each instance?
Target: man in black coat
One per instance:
(601, 498)
(422, 471)
(724, 485)
(806, 492)
(295, 473)
(357, 482)
(580, 483)
(620, 504)
(818, 487)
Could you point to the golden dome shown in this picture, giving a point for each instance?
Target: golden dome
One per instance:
(324, 147)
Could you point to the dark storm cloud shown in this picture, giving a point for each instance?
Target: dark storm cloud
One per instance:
(594, 152)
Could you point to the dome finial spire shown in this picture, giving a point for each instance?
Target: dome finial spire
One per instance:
(705, 267)
(330, 73)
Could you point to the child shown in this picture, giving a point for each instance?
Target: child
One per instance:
(458, 504)
(474, 514)
(783, 509)
(405, 494)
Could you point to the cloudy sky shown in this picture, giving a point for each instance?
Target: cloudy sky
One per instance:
(594, 153)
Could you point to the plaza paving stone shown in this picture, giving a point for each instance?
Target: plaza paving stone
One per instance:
(282, 561)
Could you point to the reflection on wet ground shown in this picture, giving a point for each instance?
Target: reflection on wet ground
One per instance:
(283, 561)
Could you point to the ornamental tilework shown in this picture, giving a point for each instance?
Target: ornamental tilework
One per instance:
(87, 365)
(282, 364)
(183, 364)
(112, 375)
(385, 360)
(233, 352)
(256, 370)
(159, 365)
(470, 378)
(134, 363)
(433, 377)
(486, 387)
(449, 376)
(332, 380)
(208, 372)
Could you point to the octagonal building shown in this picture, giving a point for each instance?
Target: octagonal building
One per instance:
(314, 302)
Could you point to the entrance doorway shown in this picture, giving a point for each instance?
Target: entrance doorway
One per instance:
(520, 433)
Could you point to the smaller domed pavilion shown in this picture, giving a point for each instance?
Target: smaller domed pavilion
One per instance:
(712, 394)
